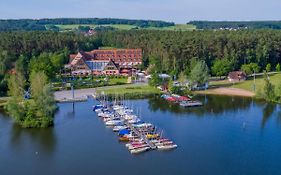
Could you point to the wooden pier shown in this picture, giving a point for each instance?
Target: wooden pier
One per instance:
(141, 135)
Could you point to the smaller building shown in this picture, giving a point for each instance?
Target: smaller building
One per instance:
(236, 76)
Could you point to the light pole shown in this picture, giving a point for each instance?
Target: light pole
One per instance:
(254, 81)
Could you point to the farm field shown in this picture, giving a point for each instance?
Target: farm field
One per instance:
(177, 27)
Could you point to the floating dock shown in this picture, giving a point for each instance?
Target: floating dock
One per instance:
(141, 136)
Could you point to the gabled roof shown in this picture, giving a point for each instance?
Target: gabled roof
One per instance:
(111, 63)
(77, 59)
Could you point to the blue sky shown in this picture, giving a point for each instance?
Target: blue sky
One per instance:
(179, 11)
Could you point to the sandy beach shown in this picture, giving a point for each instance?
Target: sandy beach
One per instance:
(228, 91)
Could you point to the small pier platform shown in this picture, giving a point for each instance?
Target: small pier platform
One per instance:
(141, 135)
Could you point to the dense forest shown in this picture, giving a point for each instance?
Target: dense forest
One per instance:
(236, 24)
(173, 52)
(41, 24)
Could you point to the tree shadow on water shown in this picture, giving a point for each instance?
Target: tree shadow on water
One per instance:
(268, 110)
(212, 104)
(42, 140)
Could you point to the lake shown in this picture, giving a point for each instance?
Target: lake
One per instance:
(227, 136)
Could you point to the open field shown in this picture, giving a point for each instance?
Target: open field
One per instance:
(75, 26)
(177, 27)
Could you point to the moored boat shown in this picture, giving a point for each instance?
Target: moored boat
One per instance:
(124, 139)
(139, 150)
(167, 146)
(190, 103)
(118, 128)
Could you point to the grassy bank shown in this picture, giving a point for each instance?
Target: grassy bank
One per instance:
(129, 91)
(248, 85)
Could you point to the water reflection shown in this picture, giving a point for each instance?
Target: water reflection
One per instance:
(212, 104)
(268, 110)
(42, 140)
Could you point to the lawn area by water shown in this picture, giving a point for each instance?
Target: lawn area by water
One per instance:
(275, 79)
(130, 89)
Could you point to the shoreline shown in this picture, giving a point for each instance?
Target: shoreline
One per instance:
(227, 91)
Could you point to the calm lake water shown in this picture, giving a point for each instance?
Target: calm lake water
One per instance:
(228, 136)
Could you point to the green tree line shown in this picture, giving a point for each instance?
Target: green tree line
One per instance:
(169, 52)
(173, 52)
(48, 24)
(236, 24)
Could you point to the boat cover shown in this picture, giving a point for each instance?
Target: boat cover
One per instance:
(124, 131)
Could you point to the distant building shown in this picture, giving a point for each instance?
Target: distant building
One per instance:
(236, 76)
(105, 62)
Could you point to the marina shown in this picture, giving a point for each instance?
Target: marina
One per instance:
(139, 136)
(211, 140)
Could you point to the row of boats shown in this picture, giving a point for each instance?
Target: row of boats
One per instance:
(138, 135)
(182, 100)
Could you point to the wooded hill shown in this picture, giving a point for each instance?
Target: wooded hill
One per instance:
(236, 24)
(40, 24)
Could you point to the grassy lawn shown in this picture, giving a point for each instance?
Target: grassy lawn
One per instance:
(248, 85)
(275, 79)
(177, 27)
(128, 89)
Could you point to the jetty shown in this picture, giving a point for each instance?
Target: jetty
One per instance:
(140, 136)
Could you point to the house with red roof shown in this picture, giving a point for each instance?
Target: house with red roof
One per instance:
(236, 76)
